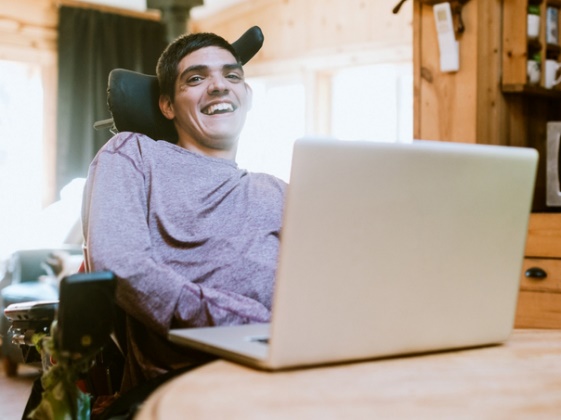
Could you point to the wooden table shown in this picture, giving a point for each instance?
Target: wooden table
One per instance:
(520, 379)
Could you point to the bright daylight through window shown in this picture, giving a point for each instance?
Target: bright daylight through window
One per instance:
(21, 151)
(373, 102)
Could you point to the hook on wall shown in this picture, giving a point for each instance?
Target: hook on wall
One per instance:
(456, 5)
(398, 6)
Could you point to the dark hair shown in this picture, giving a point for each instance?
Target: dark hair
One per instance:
(168, 63)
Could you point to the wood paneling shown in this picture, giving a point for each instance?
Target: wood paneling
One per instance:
(467, 105)
(491, 111)
(515, 42)
(538, 310)
(28, 30)
(299, 31)
(544, 236)
(150, 14)
(447, 100)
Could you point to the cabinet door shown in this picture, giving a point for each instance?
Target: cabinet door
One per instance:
(539, 300)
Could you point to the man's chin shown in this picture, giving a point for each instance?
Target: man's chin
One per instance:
(222, 138)
(222, 143)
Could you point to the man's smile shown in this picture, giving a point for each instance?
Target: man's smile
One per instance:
(218, 108)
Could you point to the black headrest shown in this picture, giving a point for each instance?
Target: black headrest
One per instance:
(133, 102)
(133, 97)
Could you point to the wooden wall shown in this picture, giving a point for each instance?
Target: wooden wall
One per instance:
(464, 106)
(28, 30)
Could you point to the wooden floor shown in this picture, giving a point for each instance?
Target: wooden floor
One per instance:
(15, 391)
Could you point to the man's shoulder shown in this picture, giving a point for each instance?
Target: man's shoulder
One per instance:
(267, 180)
(128, 140)
(133, 146)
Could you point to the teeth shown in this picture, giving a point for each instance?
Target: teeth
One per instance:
(221, 107)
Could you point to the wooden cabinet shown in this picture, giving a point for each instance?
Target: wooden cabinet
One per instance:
(539, 301)
(529, 107)
(467, 105)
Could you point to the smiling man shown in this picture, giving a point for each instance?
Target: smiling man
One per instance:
(206, 96)
(192, 238)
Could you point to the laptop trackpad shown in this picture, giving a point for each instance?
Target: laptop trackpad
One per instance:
(258, 339)
(247, 340)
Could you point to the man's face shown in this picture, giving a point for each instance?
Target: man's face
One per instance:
(211, 102)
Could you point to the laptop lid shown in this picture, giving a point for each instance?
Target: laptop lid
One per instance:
(391, 249)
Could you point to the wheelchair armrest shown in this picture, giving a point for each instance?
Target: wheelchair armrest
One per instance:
(86, 312)
(31, 311)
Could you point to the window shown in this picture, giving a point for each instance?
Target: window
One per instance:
(372, 102)
(21, 150)
(275, 121)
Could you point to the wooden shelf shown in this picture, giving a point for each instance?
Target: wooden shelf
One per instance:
(517, 48)
(431, 2)
(531, 90)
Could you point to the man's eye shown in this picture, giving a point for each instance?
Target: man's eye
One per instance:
(194, 79)
(234, 76)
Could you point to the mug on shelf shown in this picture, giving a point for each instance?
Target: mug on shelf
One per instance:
(551, 73)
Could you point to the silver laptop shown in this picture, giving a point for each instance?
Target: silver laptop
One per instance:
(389, 249)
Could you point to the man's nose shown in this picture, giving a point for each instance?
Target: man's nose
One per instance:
(217, 85)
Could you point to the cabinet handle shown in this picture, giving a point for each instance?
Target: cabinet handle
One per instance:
(536, 273)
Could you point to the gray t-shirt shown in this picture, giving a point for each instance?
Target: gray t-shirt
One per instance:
(193, 240)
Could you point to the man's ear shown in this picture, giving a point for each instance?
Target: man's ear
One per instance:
(166, 107)
(249, 97)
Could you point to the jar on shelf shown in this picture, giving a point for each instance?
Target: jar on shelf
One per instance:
(533, 24)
